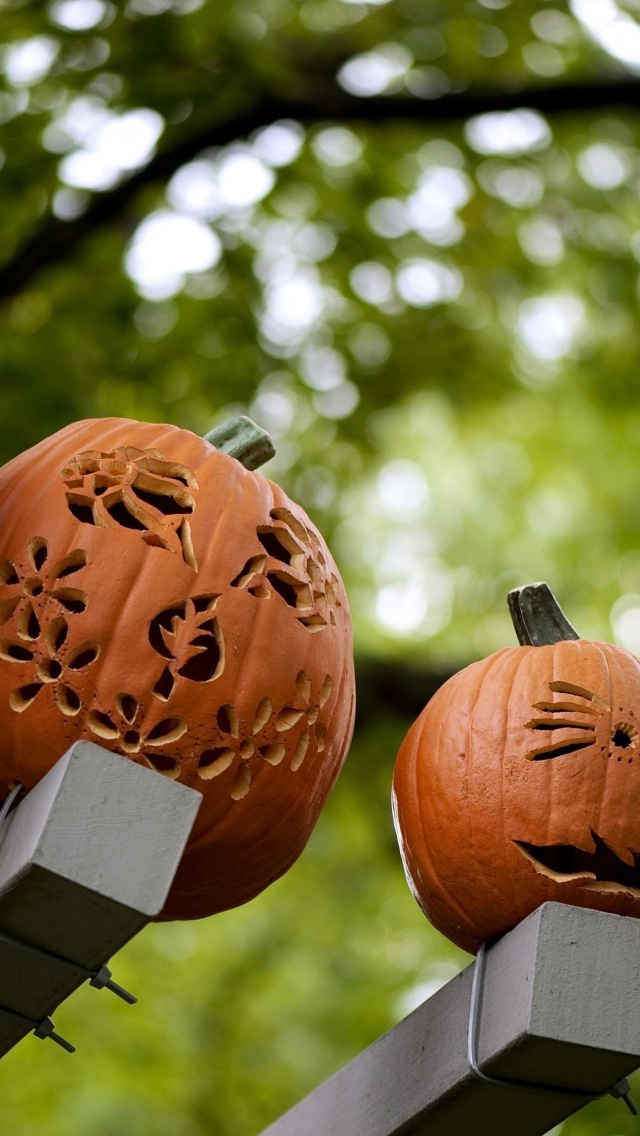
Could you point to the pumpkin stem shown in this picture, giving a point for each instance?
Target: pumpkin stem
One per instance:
(244, 440)
(537, 616)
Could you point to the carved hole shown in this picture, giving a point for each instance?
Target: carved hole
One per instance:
(14, 653)
(205, 603)
(566, 707)
(624, 735)
(165, 498)
(56, 634)
(213, 762)
(303, 683)
(130, 741)
(227, 720)
(49, 670)
(115, 468)
(246, 750)
(29, 624)
(162, 763)
(70, 564)
(156, 541)
(579, 691)
(207, 662)
(559, 750)
(37, 551)
(67, 700)
(169, 730)
(297, 528)
(558, 724)
(603, 864)
(164, 685)
(188, 555)
(287, 718)
(300, 752)
(315, 572)
(321, 737)
(127, 706)
(71, 598)
(305, 597)
(102, 482)
(262, 715)
(313, 622)
(102, 725)
(284, 588)
(170, 469)
(123, 513)
(279, 544)
(325, 693)
(81, 507)
(166, 621)
(33, 586)
(273, 753)
(253, 567)
(88, 463)
(242, 782)
(83, 656)
(9, 573)
(259, 591)
(312, 715)
(20, 699)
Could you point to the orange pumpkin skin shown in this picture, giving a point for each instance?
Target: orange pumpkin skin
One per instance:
(536, 747)
(159, 599)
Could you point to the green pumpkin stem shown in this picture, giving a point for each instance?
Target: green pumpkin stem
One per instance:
(537, 616)
(244, 440)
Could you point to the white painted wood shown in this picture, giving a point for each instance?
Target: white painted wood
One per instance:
(86, 860)
(561, 1007)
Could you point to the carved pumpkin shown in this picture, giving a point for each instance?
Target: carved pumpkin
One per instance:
(520, 781)
(162, 600)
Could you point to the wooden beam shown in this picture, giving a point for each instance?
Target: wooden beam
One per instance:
(86, 860)
(560, 1008)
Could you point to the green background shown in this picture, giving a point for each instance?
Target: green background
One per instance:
(456, 408)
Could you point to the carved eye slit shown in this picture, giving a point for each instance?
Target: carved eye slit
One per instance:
(580, 692)
(568, 717)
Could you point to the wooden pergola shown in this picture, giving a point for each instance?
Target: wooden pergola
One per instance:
(546, 1020)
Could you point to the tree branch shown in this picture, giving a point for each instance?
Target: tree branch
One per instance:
(56, 238)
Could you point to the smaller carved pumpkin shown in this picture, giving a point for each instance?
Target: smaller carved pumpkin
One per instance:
(160, 598)
(520, 781)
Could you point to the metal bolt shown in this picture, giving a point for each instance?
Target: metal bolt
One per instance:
(102, 980)
(46, 1029)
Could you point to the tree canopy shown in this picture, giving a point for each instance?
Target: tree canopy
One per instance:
(404, 236)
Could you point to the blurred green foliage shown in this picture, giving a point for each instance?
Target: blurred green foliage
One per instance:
(437, 321)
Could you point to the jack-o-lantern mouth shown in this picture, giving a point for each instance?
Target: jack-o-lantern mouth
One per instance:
(601, 870)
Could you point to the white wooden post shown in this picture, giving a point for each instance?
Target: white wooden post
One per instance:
(560, 1008)
(86, 860)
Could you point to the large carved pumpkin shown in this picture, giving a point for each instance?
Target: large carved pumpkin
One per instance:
(520, 781)
(160, 599)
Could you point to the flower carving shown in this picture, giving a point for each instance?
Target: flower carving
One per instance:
(292, 565)
(123, 726)
(49, 666)
(24, 595)
(134, 489)
(269, 737)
